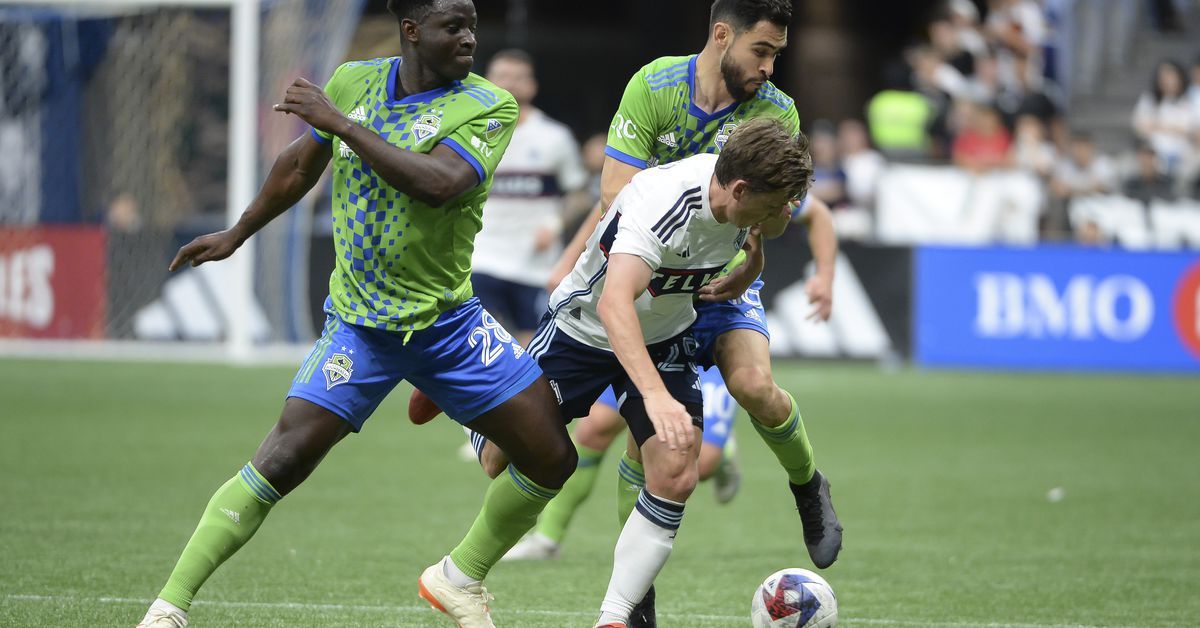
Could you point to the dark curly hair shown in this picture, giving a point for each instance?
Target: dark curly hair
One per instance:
(744, 14)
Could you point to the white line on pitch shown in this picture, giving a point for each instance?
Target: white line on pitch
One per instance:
(375, 608)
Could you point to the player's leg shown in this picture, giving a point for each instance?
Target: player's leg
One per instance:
(593, 434)
(718, 454)
(648, 534)
(308, 427)
(486, 381)
(744, 358)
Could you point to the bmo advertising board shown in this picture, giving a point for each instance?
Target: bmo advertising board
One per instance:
(1057, 307)
(52, 282)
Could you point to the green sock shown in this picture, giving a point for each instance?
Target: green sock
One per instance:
(510, 509)
(631, 479)
(790, 444)
(557, 515)
(230, 519)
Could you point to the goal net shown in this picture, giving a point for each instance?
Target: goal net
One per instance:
(126, 129)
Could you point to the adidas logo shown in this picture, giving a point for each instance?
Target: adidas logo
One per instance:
(233, 515)
(669, 140)
(359, 114)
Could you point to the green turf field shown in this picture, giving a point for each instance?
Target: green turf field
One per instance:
(941, 480)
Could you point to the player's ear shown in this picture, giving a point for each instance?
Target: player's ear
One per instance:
(722, 33)
(410, 31)
(739, 189)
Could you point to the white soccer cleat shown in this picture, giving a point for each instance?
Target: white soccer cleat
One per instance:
(536, 546)
(468, 606)
(163, 614)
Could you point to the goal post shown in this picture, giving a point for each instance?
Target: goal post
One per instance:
(143, 170)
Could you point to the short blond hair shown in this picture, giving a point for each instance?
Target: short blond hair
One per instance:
(768, 157)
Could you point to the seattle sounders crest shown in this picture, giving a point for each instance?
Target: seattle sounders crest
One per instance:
(427, 125)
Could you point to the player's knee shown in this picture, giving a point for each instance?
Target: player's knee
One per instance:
(675, 483)
(554, 464)
(753, 387)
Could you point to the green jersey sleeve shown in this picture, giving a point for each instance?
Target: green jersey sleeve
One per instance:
(333, 89)
(483, 140)
(631, 135)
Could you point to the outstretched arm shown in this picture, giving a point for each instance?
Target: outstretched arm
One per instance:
(296, 171)
(822, 239)
(433, 178)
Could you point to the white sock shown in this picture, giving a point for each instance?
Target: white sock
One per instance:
(456, 575)
(642, 550)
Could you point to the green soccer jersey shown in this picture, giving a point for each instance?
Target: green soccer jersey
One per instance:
(658, 121)
(399, 262)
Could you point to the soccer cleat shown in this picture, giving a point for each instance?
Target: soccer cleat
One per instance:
(466, 605)
(163, 614)
(728, 477)
(536, 546)
(822, 530)
(612, 625)
(642, 615)
(421, 409)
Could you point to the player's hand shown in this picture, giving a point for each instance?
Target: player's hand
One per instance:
(672, 423)
(819, 289)
(309, 101)
(207, 248)
(735, 284)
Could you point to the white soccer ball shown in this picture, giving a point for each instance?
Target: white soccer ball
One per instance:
(794, 598)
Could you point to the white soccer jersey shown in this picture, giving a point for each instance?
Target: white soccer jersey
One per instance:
(663, 216)
(541, 164)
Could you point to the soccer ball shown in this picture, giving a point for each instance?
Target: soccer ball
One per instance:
(794, 598)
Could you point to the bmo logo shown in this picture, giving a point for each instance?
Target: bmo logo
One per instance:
(1116, 307)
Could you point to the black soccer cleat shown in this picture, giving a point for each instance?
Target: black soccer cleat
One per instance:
(642, 615)
(822, 530)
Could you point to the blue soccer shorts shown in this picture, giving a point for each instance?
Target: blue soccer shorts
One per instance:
(720, 408)
(466, 362)
(714, 319)
(518, 305)
(579, 374)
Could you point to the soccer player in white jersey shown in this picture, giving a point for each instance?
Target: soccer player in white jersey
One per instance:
(522, 221)
(622, 318)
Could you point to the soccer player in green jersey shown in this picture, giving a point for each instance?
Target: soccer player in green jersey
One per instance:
(413, 142)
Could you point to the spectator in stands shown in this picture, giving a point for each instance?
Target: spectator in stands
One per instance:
(1085, 171)
(1165, 118)
(1017, 28)
(1031, 150)
(899, 117)
(943, 37)
(941, 85)
(964, 15)
(829, 180)
(1148, 181)
(862, 164)
(984, 143)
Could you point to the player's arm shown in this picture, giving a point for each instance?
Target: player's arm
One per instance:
(627, 278)
(433, 178)
(822, 240)
(296, 171)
